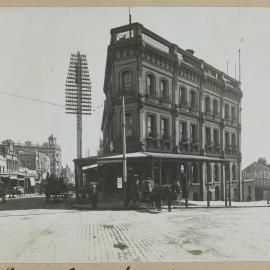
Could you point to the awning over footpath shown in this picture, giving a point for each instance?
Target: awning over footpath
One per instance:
(149, 155)
(89, 167)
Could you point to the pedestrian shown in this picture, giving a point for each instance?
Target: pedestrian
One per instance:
(169, 197)
(158, 196)
(94, 197)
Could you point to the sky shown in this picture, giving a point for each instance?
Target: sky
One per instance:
(36, 44)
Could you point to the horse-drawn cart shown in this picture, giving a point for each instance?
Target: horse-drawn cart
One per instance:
(55, 188)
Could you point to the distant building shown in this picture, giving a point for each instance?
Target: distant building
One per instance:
(256, 182)
(68, 173)
(10, 164)
(48, 152)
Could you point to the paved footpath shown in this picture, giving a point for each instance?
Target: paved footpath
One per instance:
(53, 233)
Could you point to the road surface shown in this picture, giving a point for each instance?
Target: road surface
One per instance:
(32, 230)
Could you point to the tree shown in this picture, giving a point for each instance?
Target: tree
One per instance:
(262, 160)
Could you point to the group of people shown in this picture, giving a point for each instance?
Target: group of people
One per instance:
(148, 191)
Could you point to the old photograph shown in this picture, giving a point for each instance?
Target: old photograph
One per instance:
(134, 134)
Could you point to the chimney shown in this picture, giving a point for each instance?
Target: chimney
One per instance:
(190, 51)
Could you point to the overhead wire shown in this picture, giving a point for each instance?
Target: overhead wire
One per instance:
(43, 101)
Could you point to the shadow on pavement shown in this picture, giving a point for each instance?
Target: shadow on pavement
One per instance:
(28, 203)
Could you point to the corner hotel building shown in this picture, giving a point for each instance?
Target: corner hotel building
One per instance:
(182, 118)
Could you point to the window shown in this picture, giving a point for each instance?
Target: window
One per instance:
(193, 100)
(193, 133)
(216, 137)
(183, 131)
(151, 126)
(215, 106)
(227, 139)
(233, 140)
(208, 172)
(164, 89)
(126, 80)
(227, 113)
(233, 113)
(129, 124)
(164, 128)
(183, 95)
(150, 85)
(207, 105)
(194, 172)
(216, 169)
(234, 171)
(208, 135)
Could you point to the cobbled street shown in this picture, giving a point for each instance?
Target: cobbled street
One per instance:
(54, 232)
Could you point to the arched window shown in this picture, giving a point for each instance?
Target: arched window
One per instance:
(183, 96)
(164, 91)
(227, 112)
(215, 106)
(207, 108)
(193, 99)
(216, 169)
(234, 171)
(150, 85)
(126, 80)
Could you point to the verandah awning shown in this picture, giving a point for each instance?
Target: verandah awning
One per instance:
(168, 156)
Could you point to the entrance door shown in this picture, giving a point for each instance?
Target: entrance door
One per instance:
(217, 193)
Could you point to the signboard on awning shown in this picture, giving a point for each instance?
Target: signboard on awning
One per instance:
(13, 177)
(119, 182)
(32, 181)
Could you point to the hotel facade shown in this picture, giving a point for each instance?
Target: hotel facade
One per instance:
(183, 118)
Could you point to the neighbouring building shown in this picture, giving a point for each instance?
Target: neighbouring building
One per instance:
(256, 182)
(183, 118)
(43, 158)
(10, 163)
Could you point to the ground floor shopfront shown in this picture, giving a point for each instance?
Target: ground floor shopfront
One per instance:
(200, 177)
(29, 184)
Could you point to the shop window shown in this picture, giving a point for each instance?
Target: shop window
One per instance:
(164, 128)
(216, 170)
(194, 173)
(150, 85)
(164, 91)
(151, 123)
(208, 172)
(126, 80)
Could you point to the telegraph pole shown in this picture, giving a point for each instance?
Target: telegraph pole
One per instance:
(78, 100)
